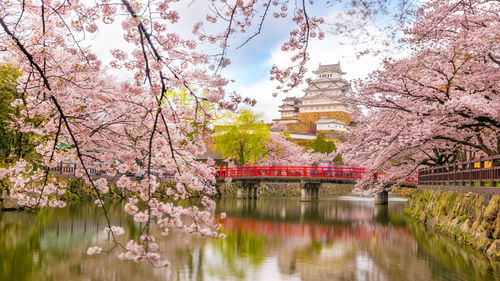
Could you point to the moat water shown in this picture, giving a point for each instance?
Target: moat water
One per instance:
(343, 238)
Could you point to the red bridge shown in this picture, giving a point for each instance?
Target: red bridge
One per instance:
(289, 173)
(248, 179)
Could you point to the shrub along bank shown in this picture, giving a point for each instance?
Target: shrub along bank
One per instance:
(471, 218)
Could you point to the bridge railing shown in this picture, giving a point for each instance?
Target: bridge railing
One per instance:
(291, 171)
(481, 172)
(302, 171)
(294, 171)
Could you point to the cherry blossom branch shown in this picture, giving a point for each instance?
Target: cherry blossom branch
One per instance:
(226, 37)
(50, 159)
(260, 26)
(80, 157)
(493, 59)
(26, 53)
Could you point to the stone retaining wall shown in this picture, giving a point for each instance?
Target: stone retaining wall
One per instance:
(7, 203)
(471, 218)
(287, 190)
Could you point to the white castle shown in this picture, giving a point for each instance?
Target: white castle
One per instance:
(322, 103)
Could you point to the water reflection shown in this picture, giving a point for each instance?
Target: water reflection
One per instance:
(267, 239)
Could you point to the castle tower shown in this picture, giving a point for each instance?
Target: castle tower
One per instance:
(322, 109)
(289, 109)
(323, 98)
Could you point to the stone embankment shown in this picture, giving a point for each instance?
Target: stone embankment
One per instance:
(472, 218)
(8, 204)
(286, 190)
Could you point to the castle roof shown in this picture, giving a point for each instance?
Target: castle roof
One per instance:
(332, 84)
(309, 97)
(329, 121)
(329, 68)
(289, 98)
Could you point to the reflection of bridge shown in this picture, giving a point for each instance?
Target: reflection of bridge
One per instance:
(317, 231)
(248, 179)
(327, 212)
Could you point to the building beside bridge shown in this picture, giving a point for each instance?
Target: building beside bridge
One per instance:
(323, 109)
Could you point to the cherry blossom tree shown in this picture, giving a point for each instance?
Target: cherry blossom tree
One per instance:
(150, 125)
(440, 100)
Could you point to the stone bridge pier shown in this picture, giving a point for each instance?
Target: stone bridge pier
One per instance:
(247, 189)
(309, 190)
(382, 198)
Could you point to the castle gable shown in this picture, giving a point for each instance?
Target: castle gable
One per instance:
(318, 97)
(329, 68)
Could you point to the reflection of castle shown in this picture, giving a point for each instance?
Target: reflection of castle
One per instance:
(322, 109)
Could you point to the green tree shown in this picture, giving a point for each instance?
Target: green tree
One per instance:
(12, 141)
(8, 93)
(243, 138)
(321, 145)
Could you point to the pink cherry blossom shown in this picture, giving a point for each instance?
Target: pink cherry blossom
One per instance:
(94, 250)
(116, 230)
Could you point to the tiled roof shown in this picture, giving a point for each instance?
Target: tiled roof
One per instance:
(326, 121)
(329, 68)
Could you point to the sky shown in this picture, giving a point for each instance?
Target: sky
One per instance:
(251, 73)
(251, 64)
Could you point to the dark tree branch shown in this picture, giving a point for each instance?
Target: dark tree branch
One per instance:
(80, 157)
(260, 26)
